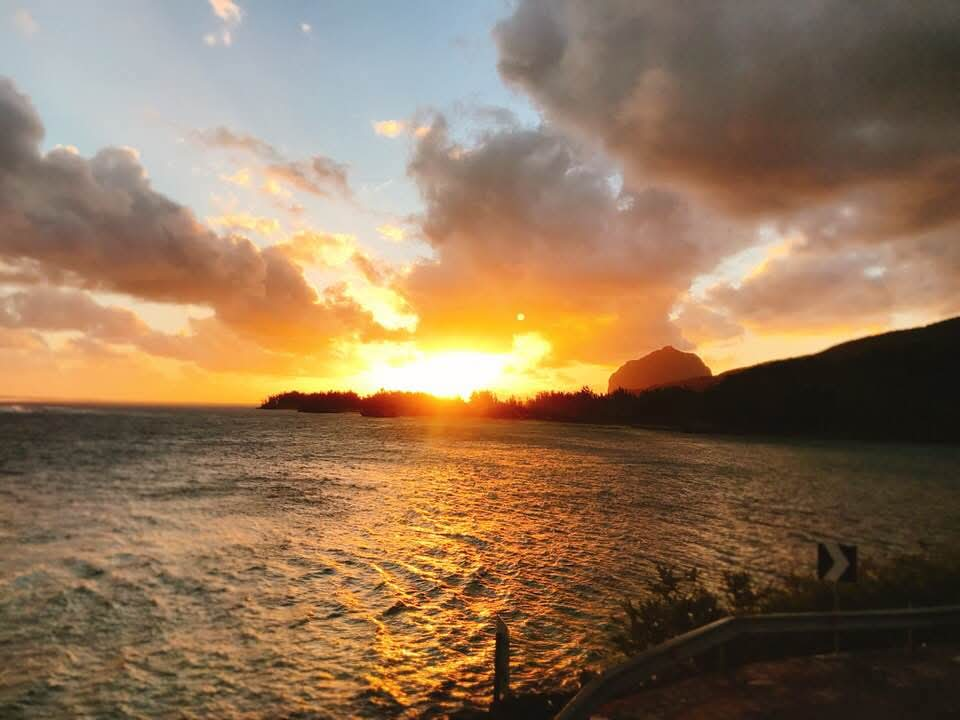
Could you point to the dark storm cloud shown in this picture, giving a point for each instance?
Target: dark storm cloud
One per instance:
(525, 221)
(832, 121)
(97, 223)
(762, 105)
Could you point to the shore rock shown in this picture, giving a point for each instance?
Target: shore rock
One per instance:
(665, 366)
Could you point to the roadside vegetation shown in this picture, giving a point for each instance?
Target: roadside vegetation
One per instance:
(678, 601)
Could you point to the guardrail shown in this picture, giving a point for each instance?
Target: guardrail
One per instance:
(623, 678)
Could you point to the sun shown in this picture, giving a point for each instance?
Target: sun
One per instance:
(454, 371)
(446, 374)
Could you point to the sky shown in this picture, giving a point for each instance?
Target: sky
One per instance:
(216, 200)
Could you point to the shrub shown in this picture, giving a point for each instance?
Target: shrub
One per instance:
(678, 601)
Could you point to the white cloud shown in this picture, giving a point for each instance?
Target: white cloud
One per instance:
(389, 128)
(25, 23)
(227, 10)
(231, 14)
(224, 37)
(396, 128)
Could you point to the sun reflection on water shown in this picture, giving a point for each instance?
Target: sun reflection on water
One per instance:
(349, 566)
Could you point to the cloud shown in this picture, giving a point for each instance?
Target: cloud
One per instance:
(396, 128)
(227, 10)
(24, 23)
(830, 125)
(389, 128)
(231, 15)
(372, 271)
(210, 344)
(224, 138)
(51, 309)
(224, 37)
(527, 221)
(308, 247)
(674, 138)
(700, 324)
(369, 285)
(394, 233)
(245, 221)
(762, 107)
(272, 187)
(816, 287)
(318, 175)
(98, 224)
(241, 178)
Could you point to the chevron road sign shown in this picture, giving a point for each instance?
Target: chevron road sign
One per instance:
(836, 562)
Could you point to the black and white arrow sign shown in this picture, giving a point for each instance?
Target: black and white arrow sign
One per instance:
(836, 562)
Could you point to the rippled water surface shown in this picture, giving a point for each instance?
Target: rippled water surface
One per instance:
(158, 562)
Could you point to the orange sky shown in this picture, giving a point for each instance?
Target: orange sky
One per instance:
(585, 198)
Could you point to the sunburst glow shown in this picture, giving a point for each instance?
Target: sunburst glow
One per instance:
(446, 374)
(454, 372)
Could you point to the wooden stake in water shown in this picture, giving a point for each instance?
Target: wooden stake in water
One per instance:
(501, 664)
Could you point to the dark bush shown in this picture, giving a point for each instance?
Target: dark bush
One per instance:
(679, 601)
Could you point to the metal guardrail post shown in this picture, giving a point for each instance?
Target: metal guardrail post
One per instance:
(622, 678)
(910, 633)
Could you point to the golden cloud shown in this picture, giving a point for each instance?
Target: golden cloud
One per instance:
(389, 128)
(244, 221)
(394, 233)
(309, 247)
(241, 177)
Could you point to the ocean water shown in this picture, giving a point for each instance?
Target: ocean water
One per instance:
(242, 563)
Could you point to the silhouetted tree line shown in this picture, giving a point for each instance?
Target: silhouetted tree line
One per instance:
(320, 402)
(666, 407)
(581, 406)
(898, 386)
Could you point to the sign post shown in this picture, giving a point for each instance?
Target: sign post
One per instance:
(836, 563)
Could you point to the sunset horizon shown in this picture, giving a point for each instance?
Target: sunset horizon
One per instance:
(211, 254)
(479, 360)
